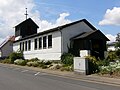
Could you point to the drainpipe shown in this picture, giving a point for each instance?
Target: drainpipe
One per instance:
(61, 40)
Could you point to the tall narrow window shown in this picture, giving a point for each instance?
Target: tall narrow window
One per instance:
(20, 46)
(44, 42)
(29, 45)
(40, 43)
(49, 41)
(35, 43)
(26, 46)
(23, 46)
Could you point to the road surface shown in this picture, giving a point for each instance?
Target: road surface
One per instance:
(13, 78)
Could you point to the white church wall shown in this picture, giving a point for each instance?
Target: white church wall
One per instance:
(72, 31)
(53, 53)
(16, 47)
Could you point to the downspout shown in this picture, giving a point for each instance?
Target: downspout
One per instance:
(61, 40)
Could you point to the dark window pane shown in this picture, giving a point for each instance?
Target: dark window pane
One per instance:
(49, 41)
(40, 43)
(44, 42)
(25, 45)
(35, 46)
(29, 45)
(20, 46)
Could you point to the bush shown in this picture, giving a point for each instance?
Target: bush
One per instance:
(34, 64)
(47, 62)
(58, 66)
(118, 53)
(111, 56)
(8, 61)
(93, 64)
(43, 66)
(13, 56)
(34, 59)
(103, 62)
(67, 58)
(66, 68)
(20, 62)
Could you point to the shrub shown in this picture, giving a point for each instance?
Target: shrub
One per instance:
(34, 59)
(93, 64)
(8, 61)
(111, 56)
(66, 68)
(20, 62)
(118, 53)
(67, 58)
(103, 62)
(47, 62)
(58, 66)
(34, 64)
(16, 55)
(43, 66)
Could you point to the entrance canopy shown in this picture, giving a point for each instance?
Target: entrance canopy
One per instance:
(94, 41)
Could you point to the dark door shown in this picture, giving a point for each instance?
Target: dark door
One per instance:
(97, 48)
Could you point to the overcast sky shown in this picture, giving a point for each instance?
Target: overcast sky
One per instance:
(103, 14)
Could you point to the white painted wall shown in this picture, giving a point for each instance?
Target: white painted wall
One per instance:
(72, 31)
(16, 47)
(84, 53)
(53, 53)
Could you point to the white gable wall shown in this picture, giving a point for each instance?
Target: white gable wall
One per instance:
(53, 53)
(7, 49)
(72, 31)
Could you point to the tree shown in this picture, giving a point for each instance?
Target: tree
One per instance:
(117, 45)
(118, 37)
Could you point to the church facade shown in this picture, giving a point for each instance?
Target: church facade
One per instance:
(79, 38)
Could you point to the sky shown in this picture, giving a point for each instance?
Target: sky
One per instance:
(103, 14)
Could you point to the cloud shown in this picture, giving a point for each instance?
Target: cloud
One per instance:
(45, 25)
(12, 13)
(111, 17)
(112, 38)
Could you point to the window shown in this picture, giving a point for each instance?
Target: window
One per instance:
(29, 45)
(23, 46)
(20, 46)
(40, 43)
(35, 43)
(44, 42)
(49, 41)
(26, 46)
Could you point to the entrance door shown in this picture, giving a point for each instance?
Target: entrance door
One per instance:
(97, 48)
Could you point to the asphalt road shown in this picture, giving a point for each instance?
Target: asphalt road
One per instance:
(12, 78)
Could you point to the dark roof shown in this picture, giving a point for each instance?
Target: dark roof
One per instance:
(91, 35)
(28, 20)
(59, 28)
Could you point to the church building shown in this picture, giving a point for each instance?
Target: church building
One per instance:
(79, 38)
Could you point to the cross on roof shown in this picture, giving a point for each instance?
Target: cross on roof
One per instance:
(26, 13)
